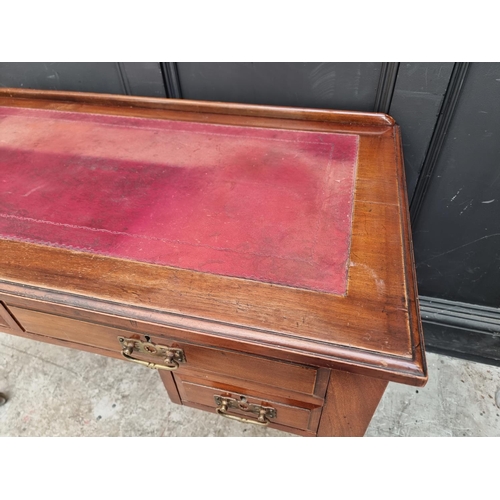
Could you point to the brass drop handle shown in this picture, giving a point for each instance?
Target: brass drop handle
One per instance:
(171, 356)
(263, 412)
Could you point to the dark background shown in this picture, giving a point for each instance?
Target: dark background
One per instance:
(449, 115)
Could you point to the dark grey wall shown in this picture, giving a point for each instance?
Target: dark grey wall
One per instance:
(108, 77)
(457, 234)
(350, 86)
(416, 103)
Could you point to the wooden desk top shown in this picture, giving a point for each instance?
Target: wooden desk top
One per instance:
(281, 230)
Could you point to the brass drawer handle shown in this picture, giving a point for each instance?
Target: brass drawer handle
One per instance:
(171, 356)
(264, 412)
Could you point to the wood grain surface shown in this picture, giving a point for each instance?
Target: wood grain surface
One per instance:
(350, 403)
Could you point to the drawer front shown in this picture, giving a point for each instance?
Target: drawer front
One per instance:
(244, 404)
(104, 339)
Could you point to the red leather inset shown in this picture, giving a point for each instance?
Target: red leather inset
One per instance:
(264, 204)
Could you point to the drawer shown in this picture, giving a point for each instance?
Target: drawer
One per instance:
(104, 339)
(237, 402)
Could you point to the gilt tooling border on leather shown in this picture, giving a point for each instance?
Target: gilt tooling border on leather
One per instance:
(264, 204)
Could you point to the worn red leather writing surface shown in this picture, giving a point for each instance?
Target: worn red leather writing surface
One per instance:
(265, 204)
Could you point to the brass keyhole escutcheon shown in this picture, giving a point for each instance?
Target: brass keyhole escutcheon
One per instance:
(243, 403)
(149, 348)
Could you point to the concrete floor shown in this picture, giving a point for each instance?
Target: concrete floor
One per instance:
(54, 391)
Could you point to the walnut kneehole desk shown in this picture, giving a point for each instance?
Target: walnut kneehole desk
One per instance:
(259, 257)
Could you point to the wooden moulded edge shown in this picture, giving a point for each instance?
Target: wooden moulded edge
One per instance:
(416, 330)
(256, 110)
(229, 336)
